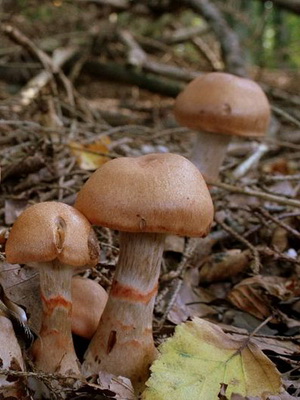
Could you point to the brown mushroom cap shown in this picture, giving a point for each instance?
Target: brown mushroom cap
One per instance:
(223, 103)
(52, 230)
(89, 299)
(163, 193)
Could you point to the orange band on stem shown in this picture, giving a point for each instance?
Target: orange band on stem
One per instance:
(54, 302)
(131, 294)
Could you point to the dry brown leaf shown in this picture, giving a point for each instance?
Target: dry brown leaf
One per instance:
(287, 347)
(221, 266)
(22, 286)
(190, 301)
(12, 209)
(253, 295)
(121, 386)
(280, 239)
(278, 165)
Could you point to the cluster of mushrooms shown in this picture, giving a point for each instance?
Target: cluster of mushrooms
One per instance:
(145, 199)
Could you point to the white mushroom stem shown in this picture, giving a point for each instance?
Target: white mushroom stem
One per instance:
(53, 351)
(123, 343)
(209, 152)
(11, 358)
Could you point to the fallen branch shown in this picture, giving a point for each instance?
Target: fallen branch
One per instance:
(286, 115)
(251, 161)
(31, 91)
(139, 58)
(123, 73)
(255, 193)
(231, 50)
(50, 68)
(185, 34)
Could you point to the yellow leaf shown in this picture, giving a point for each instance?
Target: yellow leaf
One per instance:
(200, 357)
(91, 156)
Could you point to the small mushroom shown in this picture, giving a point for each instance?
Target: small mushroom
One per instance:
(145, 198)
(55, 238)
(220, 105)
(89, 299)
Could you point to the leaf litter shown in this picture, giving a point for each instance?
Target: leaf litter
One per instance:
(218, 283)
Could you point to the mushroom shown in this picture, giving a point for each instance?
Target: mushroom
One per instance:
(220, 105)
(55, 238)
(89, 299)
(144, 198)
(11, 358)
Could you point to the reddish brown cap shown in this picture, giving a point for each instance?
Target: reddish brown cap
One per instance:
(89, 299)
(223, 103)
(163, 193)
(51, 230)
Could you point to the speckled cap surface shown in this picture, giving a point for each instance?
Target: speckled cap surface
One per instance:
(163, 193)
(52, 230)
(223, 103)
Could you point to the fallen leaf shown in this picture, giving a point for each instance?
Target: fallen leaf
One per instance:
(280, 239)
(278, 165)
(87, 156)
(13, 209)
(220, 266)
(23, 287)
(200, 357)
(254, 295)
(191, 300)
(119, 385)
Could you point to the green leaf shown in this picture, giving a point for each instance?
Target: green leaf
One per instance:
(200, 357)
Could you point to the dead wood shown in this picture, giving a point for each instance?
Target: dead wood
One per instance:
(231, 50)
(126, 74)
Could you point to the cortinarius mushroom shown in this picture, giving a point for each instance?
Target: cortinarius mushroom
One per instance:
(220, 105)
(145, 198)
(89, 300)
(55, 238)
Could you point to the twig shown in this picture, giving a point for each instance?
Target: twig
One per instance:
(177, 283)
(247, 340)
(30, 92)
(266, 214)
(230, 46)
(49, 65)
(255, 193)
(208, 53)
(184, 34)
(255, 266)
(282, 178)
(139, 58)
(286, 115)
(252, 160)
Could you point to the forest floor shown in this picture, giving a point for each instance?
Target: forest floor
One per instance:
(244, 275)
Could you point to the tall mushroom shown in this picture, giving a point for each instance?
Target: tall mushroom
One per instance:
(220, 105)
(55, 238)
(145, 198)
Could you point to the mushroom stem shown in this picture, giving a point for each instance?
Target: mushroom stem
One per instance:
(53, 351)
(123, 343)
(209, 152)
